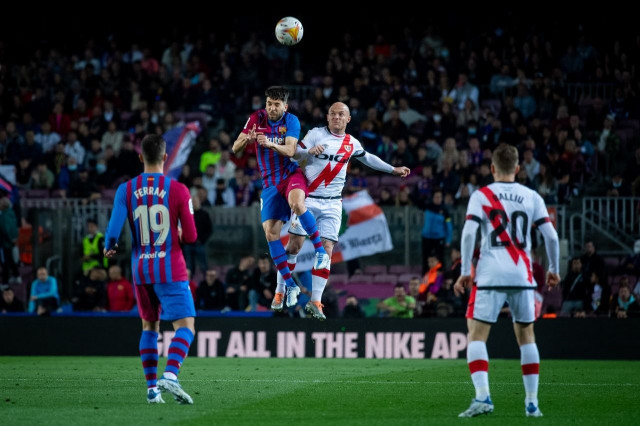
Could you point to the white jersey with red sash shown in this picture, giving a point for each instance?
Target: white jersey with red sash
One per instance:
(326, 173)
(506, 211)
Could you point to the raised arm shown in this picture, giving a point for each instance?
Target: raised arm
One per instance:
(243, 139)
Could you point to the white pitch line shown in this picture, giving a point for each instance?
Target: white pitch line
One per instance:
(297, 381)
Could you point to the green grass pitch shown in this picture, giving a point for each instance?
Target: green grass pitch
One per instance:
(111, 391)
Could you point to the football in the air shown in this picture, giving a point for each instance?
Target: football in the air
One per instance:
(289, 31)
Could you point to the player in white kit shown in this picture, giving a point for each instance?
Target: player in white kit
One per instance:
(505, 211)
(324, 154)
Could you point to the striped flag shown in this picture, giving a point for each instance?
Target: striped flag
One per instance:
(180, 142)
(367, 233)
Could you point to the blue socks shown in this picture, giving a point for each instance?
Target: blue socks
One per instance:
(178, 350)
(280, 260)
(149, 356)
(308, 223)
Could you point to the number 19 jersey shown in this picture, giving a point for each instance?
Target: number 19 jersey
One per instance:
(154, 205)
(506, 211)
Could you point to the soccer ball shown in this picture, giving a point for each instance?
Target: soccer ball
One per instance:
(289, 31)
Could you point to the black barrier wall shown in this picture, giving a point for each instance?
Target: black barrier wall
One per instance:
(334, 338)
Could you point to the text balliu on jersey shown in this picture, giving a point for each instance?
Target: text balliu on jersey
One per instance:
(506, 211)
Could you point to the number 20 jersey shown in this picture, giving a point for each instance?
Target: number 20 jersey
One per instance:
(506, 211)
(154, 206)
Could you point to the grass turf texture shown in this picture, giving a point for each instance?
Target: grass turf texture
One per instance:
(110, 391)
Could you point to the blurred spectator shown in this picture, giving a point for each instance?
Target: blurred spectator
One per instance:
(9, 301)
(242, 188)
(607, 144)
(31, 149)
(8, 239)
(210, 157)
(524, 102)
(83, 187)
(352, 309)
(223, 196)
(90, 291)
(92, 247)
(546, 185)
(468, 117)
(210, 295)
(463, 91)
(237, 290)
(625, 304)
(60, 121)
(437, 230)
(73, 148)
(631, 264)
(225, 168)
(186, 177)
(574, 289)
(598, 294)
(112, 137)
(530, 165)
(128, 163)
(502, 81)
(420, 298)
(433, 279)
(400, 305)
(44, 297)
(104, 177)
(92, 156)
(195, 254)
(119, 291)
(262, 284)
(592, 261)
(47, 139)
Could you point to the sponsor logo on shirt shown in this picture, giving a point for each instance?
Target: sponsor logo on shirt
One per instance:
(158, 255)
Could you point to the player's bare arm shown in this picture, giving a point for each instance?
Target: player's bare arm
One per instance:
(110, 253)
(318, 149)
(288, 149)
(401, 171)
(552, 279)
(463, 282)
(243, 139)
(376, 163)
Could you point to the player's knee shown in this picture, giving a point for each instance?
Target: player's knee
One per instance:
(270, 232)
(298, 207)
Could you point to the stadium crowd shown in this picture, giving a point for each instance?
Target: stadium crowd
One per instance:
(71, 123)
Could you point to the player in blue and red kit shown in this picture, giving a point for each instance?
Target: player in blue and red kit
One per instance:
(284, 186)
(160, 217)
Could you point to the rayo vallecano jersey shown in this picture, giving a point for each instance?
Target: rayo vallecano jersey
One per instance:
(506, 211)
(326, 172)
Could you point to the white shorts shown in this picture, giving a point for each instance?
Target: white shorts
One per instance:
(328, 214)
(485, 305)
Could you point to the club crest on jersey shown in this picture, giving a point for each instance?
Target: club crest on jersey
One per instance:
(282, 130)
(347, 148)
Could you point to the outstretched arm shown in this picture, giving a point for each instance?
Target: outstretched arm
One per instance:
(376, 163)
